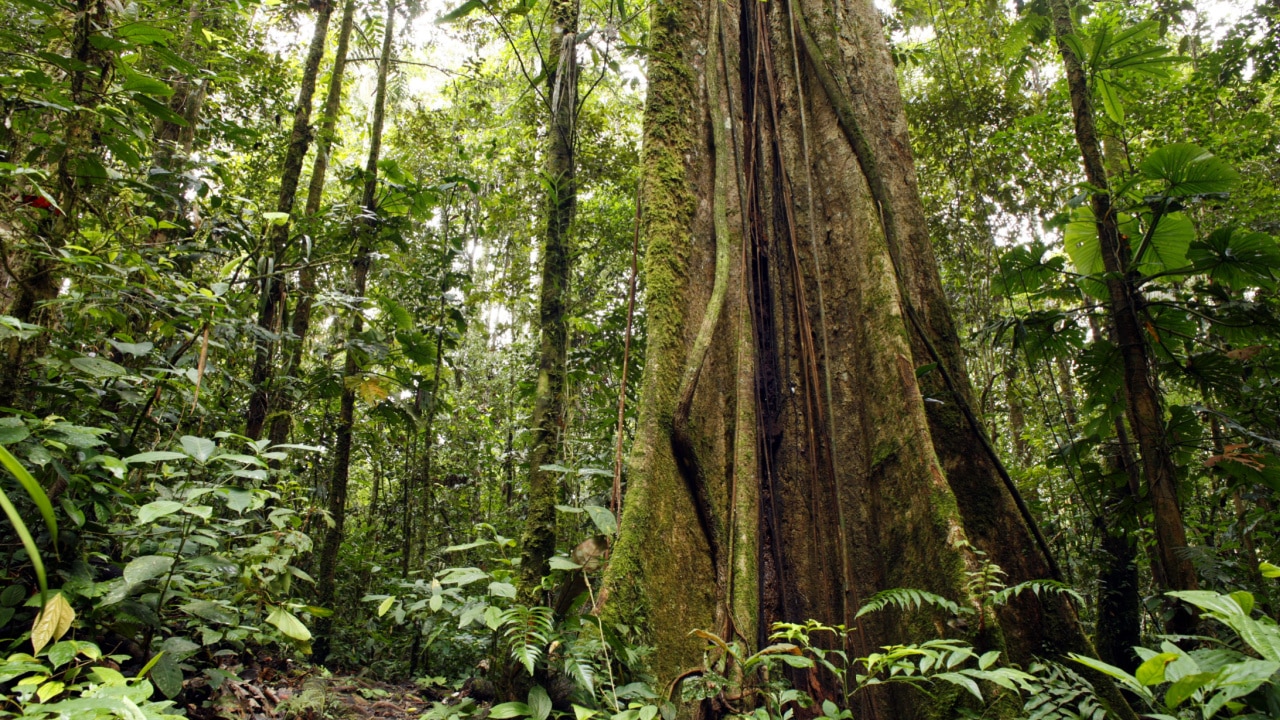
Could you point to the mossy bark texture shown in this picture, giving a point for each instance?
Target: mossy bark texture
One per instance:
(828, 478)
(561, 95)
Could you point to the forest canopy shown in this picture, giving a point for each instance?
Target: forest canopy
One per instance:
(600, 359)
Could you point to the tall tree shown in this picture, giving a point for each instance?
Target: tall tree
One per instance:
(366, 233)
(271, 296)
(1143, 406)
(784, 447)
(561, 199)
(300, 325)
(36, 273)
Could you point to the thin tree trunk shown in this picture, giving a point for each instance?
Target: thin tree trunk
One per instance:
(548, 410)
(272, 293)
(1143, 402)
(36, 277)
(366, 232)
(301, 322)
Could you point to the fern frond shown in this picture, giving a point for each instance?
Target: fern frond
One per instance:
(908, 599)
(1039, 586)
(529, 632)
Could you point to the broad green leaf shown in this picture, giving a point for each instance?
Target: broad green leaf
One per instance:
(462, 576)
(560, 562)
(158, 509)
(134, 349)
(603, 519)
(167, 676)
(385, 605)
(288, 624)
(1151, 672)
(539, 703)
(1167, 249)
(155, 456)
(12, 430)
(142, 569)
(98, 367)
(1185, 687)
(454, 15)
(199, 448)
(506, 710)
(1188, 169)
(502, 590)
(1111, 103)
(1268, 570)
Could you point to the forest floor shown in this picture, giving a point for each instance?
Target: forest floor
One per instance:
(269, 688)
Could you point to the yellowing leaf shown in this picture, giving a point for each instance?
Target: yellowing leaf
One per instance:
(386, 605)
(52, 623)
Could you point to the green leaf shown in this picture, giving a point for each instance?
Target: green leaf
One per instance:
(140, 82)
(509, 710)
(502, 590)
(37, 495)
(142, 569)
(167, 676)
(98, 367)
(155, 456)
(12, 430)
(454, 15)
(560, 562)
(289, 625)
(1151, 672)
(1188, 169)
(603, 519)
(159, 109)
(1185, 687)
(1169, 243)
(1268, 570)
(141, 34)
(385, 605)
(199, 448)
(539, 703)
(1111, 103)
(158, 509)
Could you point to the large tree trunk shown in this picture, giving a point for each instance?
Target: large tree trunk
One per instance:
(272, 292)
(791, 461)
(1143, 402)
(539, 541)
(301, 322)
(367, 233)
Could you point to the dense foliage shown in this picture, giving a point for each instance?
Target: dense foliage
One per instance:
(185, 348)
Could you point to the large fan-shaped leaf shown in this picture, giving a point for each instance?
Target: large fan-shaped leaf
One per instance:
(1189, 170)
(1238, 258)
(1167, 249)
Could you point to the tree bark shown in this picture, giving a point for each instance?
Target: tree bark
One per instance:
(366, 232)
(539, 542)
(813, 475)
(300, 327)
(1143, 402)
(36, 278)
(272, 291)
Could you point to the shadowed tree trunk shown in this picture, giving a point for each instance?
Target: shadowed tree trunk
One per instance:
(271, 295)
(1143, 405)
(561, 94)
(784, 451)
(366, 232)
(35, 272)
(300, 327)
